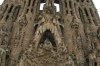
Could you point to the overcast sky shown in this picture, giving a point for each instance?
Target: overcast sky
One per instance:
(96, 2)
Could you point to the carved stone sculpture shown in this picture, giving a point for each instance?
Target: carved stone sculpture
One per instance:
(33, 37)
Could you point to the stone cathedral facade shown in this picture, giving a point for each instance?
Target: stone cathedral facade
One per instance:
(33, 37)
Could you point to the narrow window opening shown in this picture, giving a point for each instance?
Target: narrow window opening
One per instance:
(77, 0)
(82, 0)
(66, 11)
(27, 11)
(16, 11)
(87, 62)
(70, 4)
(29, 2)
(62, 29)
(35, 28)
(32, 10)
(71, 12)
(24, 3)
(87, 0)
(95, 64)
(86, 12)
(33, 3)
(10, 9)
(81, 15)
(7, 17)
(7, 57)
(65, 4)
(91, 12)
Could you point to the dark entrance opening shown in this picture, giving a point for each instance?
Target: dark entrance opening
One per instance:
(47, 35)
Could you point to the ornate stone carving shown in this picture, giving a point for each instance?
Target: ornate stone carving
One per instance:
(33, 37)
(75, 23)
(4, 34)
(2, 57)
(23, 22)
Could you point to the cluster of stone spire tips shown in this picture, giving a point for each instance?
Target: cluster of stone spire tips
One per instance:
(33, 37)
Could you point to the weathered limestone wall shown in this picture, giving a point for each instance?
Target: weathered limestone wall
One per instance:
(30, 37)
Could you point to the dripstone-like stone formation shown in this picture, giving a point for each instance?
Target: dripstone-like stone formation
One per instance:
(33, 37)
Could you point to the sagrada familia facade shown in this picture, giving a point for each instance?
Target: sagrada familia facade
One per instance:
(33, 37)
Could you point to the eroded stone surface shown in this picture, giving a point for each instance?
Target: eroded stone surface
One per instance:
(30, 37)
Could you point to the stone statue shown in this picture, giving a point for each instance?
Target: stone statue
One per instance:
(47, 45)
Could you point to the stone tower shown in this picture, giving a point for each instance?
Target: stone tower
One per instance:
(33, 37)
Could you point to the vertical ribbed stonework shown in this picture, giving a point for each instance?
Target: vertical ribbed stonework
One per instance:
(33, 37)
(81, 31)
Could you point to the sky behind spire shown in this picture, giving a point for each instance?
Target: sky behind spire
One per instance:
(97, 4)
